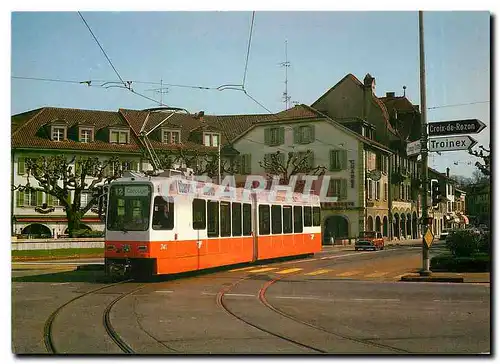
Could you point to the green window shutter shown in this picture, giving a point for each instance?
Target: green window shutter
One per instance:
(332, 160)
(312, 136)
(267, 136)
(20, 199)
(21, 165)
(296, 135)
(135, 166)
(343, 189)
(344, 159)
(39, 198)
(50, 200)
(282, 135)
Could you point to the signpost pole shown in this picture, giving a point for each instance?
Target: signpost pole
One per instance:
(425, 173)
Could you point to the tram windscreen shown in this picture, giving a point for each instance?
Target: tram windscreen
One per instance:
(129, 207)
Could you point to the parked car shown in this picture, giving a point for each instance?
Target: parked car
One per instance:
(369, 240)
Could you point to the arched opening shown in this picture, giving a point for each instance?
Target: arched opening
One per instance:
(396, 225)
(415, 226)
(386, 227)
(378, 224)
(403, 226)
(369, 223)
(37, 231)
(408, 225)
(336, 227)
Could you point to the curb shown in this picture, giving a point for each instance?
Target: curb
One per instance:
(412, 278)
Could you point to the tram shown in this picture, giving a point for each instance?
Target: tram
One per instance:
(158, 225)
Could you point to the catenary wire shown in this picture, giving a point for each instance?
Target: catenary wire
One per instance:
(102, 49)
(248, 49)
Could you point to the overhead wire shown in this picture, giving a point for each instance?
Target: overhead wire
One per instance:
(248, 49)
(455, 105)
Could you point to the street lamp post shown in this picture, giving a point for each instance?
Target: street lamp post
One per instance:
(425, 173)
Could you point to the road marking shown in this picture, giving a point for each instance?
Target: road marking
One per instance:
(209, 294)
(164, 291)
(291, 270)
(59, 284)
(262, 270)
(305, 260)
(376, 274)
(241, 269)
(239, 294)
(297, 298)
(316, 272)
(348, 274)
(337, 299)
(399, 276)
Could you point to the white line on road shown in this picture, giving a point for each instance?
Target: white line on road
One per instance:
(377, 299)
(59, 284)
(337, 299)
(164, 291)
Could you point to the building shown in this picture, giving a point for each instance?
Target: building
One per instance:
(391, 121)
(478, 204)
(77, 133)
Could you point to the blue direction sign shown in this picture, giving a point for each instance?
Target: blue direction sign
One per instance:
(454, 127)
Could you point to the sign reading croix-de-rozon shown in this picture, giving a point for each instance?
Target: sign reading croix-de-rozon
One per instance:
(467, 126)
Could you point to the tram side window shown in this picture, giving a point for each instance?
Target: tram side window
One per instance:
(199, 214)
(213, 219)
(247, 219)
(163, 214)
(316, 216)
(264, 220)
(298, 226)
(236, 219)
(225, 219)
(287, 219)
(276, 219)
(307, 216)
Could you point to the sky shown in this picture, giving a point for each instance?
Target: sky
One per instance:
(209, 49)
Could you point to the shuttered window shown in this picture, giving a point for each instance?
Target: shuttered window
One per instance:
(338, 188)
(304, 134)
(20, 198)
(21, 165)
(274, 136)
(338, 160)
(245, 164)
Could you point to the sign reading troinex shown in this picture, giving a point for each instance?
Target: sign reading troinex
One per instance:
(451, 143)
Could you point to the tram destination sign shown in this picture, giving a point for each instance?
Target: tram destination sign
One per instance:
(454, 127)
(464, 142)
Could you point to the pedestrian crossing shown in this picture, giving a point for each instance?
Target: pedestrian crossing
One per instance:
(331, 273)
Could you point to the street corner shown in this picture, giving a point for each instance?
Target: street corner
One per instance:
(449, 277)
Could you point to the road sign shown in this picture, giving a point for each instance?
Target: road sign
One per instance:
(428, 237)
(413, 148)
(451, 143)
(454, 127)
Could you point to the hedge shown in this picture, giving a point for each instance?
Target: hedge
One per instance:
(479, 262)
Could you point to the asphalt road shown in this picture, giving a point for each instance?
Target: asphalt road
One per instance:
(337, 302)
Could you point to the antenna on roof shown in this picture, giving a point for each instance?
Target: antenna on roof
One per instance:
(286, 64)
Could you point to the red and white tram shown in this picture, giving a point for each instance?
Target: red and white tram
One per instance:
(165, 225)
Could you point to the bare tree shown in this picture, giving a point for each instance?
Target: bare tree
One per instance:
(56, 176)
(484, 167)
(284, 166)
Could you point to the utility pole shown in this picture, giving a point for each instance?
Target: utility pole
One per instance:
(425, 172)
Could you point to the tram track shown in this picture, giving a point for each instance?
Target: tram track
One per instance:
(48, 333)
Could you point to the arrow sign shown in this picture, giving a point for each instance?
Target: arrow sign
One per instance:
(413, 148)
(451, 143)
(468, 126)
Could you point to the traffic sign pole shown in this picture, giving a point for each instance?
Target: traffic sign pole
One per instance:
(425, 173)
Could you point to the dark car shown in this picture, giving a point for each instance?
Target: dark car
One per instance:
(369, 240)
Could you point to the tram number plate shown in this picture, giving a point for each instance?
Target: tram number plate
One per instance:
(163, 246)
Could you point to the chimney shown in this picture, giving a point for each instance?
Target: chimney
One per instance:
(390, 94)
(447, 172)
(199, 115)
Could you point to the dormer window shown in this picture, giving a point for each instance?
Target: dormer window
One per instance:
(171, 136)
(86, 135)
(58, 133)
(119, 136)
(211, 139)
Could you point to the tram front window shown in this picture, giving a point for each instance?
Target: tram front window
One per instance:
(129, 208)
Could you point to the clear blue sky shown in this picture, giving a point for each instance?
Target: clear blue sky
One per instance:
(209, 49)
